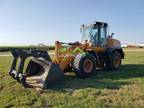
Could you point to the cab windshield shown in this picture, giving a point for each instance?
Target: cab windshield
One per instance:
(90, 34)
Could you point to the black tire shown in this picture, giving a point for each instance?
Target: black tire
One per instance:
(114, 62)
(84, 65)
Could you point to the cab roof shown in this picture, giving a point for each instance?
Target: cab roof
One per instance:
(95, 23)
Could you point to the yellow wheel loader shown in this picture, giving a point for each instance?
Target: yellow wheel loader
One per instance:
(97, 49)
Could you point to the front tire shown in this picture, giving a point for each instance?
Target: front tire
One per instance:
(84, 65)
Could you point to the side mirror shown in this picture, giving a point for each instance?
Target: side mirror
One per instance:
(81, 28)
(112, 34)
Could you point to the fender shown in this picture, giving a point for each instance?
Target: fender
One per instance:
(93, 53)
(110, 50)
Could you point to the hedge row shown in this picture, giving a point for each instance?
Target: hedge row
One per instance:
(8, 48)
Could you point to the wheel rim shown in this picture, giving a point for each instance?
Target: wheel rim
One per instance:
(117, 62)
(88, 66)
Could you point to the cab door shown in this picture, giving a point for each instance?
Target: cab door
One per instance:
(102, 35)
(102, 38)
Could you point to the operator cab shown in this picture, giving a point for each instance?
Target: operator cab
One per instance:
(95, 33)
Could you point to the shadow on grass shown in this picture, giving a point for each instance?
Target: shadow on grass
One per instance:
(125, 72)
(104, 79)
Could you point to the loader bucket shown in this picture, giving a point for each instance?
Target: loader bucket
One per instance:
(43, 74)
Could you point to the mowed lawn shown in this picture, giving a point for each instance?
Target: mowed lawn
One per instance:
(117, 89)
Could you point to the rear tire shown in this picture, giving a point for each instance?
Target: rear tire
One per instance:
(84, 65)
(114, 62)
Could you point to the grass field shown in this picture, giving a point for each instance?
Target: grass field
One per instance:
(118, 89)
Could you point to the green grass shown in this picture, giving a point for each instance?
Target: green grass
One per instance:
(121, 89)
(5, 53)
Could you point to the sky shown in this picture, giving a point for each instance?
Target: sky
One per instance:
(26, 22)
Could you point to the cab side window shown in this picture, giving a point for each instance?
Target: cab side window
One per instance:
(103, 34)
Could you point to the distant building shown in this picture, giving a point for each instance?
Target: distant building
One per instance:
(124, 46)
(133, 46)
(141, 45)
